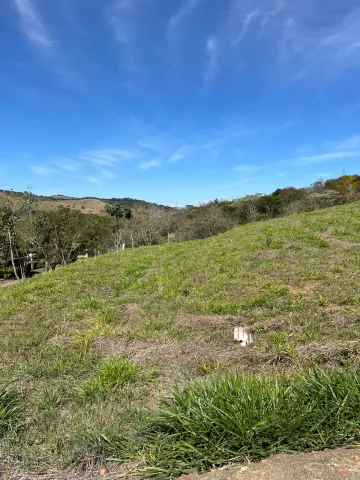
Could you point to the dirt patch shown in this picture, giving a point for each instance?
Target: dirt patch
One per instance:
(342, 463)
(110, 347)
(332, 307)
(338, 464)
(10, 469)
(148, 274)
(60, 340)
(305, 290)
(8, 284)
(198, 321)
(337, 241)
(129, 310)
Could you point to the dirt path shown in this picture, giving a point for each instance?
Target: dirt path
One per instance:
(337, 241)
(339, 464)
(8, 284)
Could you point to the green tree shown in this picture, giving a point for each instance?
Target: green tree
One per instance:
(119, 211)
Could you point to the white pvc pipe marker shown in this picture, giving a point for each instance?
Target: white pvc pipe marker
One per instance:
(242, 336)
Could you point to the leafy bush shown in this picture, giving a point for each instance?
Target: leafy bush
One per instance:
(10, 410)
(234, 418)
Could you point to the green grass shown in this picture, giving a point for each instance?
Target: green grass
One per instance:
(111, 376)
(83, 343)
(10, 411)
(242, 418)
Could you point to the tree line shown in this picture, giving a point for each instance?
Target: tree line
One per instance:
(32, 239)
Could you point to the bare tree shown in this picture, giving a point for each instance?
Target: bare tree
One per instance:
(11, 215)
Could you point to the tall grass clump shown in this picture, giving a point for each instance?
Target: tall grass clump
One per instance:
(10, 410)
(111, 376)
(236, 418)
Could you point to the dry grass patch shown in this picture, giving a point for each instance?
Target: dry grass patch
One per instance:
(305, 290)
(201, 321)
(329, 353)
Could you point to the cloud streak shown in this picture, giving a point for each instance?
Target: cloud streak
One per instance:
(36, 31)
(212, 51)
(107, 157)
(247, 168)
(181, 153)
(184, 11)
(155, 162)
(32, 25)
(41, 170)
(300, 38)
(121, 17)
(323, 158)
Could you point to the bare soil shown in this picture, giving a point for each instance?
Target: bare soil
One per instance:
(338, 464)
(337, 241)
(308, 288)
(8, 284)
(342, 463)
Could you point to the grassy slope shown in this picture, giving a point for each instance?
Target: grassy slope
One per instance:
(171, 310)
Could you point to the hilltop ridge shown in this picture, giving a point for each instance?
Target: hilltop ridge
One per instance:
(92, 205)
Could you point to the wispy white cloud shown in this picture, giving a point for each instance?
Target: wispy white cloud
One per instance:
(101, 177)
(351, 143)
(170, 146)
(107, 157)
(121, 17)
(212, 51)
(93, 179)
(155, 162)
(41, 170)
(155, 143)
(248, 18)
(247, 168)
(323, 158)
(117, 17)
(330, 47)
(181, 153)
(184, 11)
(323, 175)
(32, 25)
(67, 165)
(298, 38)
(349, 147)
(107, 174)
(37, 32)
(97, 166)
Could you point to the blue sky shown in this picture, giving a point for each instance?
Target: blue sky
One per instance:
(177, 101)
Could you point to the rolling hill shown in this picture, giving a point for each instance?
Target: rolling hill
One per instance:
(93, 347)
(85, 205)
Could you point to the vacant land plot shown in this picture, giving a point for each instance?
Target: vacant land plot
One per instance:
(91, 349)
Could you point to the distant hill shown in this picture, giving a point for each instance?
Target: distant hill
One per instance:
(92, 205)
